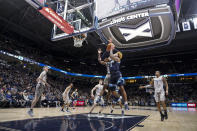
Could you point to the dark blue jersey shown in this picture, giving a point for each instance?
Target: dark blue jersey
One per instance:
(114, 66)
(75, 95)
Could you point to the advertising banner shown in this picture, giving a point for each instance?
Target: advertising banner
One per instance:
(57, 20)
(80, 103)
(179, 104)
(191, 105)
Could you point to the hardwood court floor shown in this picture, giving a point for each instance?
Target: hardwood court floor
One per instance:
(180, 119)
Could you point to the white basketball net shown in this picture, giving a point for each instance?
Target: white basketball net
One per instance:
(78, 40)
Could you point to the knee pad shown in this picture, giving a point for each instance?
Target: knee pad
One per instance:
(116, 99)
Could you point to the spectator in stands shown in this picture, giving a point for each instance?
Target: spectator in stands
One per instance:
(3, 101)
(2, 96)
(9, 96)
(14, 90)
(26, 98)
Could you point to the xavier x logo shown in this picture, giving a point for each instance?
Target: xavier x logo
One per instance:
(143, 30)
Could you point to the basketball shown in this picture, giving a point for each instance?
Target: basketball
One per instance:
(109, 46)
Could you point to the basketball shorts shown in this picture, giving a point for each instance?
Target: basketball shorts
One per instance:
(66, 98)
(116, 80)
(98, 101)
(39, 90)
(159, 96)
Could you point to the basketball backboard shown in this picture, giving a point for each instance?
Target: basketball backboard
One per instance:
(79, 14)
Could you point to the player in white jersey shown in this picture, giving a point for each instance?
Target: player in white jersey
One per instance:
(65, 97)
(41, 83)
(159, 95)
(97, 99)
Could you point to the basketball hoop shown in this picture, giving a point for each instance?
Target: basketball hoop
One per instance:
(78, 40)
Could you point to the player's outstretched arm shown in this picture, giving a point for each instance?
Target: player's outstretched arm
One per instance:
(92, 91)
(142, 87)
(99, 57)
(148, 86)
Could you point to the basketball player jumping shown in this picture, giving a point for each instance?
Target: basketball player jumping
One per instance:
(159, 95)
(110, 64)
(41, 83)
(65, 97)
(107, 63)
(97, 100)
(74, 96)
(116, 76)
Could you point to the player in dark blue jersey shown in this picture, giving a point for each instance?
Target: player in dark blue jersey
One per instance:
(74, 96)
(107, 62)
(113, 65)
(116, 76)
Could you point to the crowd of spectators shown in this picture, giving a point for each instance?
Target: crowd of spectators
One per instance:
(17, 86)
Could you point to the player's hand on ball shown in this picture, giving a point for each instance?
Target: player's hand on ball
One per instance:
(112, 46)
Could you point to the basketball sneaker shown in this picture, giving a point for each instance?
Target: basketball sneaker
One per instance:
(126, 107)
(62, 110)
(122, 112)
(30, 112)
(162, 117)
(165, 115)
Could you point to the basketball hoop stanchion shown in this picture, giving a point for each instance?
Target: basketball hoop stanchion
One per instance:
(51, 15)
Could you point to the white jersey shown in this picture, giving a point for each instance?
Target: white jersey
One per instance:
(42, 76)
(99, 88)
(66, 92)
(158, 84)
